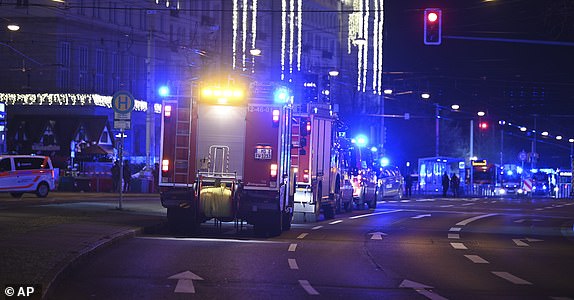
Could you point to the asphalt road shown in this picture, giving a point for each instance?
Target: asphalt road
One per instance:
(411, 249)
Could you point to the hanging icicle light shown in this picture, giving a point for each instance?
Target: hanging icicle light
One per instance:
(369, 65)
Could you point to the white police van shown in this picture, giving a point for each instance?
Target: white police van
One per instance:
(21, 174)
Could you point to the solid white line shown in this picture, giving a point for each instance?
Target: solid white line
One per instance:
(458, 246)
(293, 264)
(465, 222)
(302, 235)
(477, 259)
(292, 247)
(511, 278)
(316, 227)
(335, 222)
(377, 213)
(308, 288)
(454, 229)
(454, 236)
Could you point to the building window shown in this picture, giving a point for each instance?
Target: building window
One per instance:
(64, 63)
(83, 68)
(115, 66)
(143, 19)
(99, 84)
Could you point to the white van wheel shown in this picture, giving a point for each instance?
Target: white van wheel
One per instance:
(42, 190)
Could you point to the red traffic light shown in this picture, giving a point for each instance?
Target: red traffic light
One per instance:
(483, 125)
(432, 26)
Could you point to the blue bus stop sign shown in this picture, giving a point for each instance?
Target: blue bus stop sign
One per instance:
(123, 102)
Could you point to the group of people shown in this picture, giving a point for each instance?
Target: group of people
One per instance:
(453, 183)
(127, 176)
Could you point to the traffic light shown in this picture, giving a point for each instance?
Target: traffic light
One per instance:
(433, 26)
(483, 125)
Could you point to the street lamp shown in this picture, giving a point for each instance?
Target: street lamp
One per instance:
(13, 27)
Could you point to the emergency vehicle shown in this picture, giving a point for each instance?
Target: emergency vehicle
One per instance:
(21, 174)
(318, 184)
(225, 155)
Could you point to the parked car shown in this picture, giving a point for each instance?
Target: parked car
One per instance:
(21, 174)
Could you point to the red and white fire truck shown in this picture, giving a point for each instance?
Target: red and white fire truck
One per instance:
(225, 155)
(317, 187)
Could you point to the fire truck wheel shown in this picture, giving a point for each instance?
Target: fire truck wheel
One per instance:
(329, 212)
(287, 218)
(373, 203)
(348, 206)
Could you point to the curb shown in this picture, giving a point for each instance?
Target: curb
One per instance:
(58, 272)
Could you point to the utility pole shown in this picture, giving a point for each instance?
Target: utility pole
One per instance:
(437, 129)
(150, 64)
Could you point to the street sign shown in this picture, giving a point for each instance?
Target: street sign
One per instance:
(123, 102)
(122, 124)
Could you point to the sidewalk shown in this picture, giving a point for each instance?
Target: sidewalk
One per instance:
(37, 243)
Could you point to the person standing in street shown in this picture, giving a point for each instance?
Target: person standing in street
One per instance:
(127, 175)
(454, 185)
(445, 184)
(408, 185)
(116, 180)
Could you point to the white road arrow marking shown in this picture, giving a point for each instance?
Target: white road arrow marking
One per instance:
(185, 282)
(521, 243)
(421, 289)
(377, 235)
(421, 216)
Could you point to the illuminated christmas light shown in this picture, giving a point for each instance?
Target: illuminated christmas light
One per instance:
(299, 35)
(244, 36)
(291, 34)
(65, 100)
(253, 33)
(234, 42)
(283, 35)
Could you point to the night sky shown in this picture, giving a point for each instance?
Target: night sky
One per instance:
(529, 84)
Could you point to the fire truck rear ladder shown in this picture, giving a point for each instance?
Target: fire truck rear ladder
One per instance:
(182, 147)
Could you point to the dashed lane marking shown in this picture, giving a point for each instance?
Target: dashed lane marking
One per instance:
(302, 235)
(477, 259)
(335, 222)
(458, 246)
(316, 227)
(454, 229)
(449, 205)
(293, 264)
(308, 288)
(292, 247)
(467, 204)
(511, 278)
(454, 236)
(376, 213)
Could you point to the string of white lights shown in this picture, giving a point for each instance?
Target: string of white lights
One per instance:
(64, 100)
(283, 36)
(244, 34)
(253, 33)
(375, 47)
(291, 33)
(234, 42)
(380, 48)
(299, 33)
